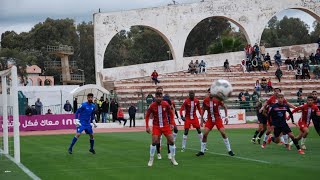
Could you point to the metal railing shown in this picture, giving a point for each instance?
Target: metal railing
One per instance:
(62, 48)
(57, 64)
(74, 77)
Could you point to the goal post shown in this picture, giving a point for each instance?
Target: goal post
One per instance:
(9, 87)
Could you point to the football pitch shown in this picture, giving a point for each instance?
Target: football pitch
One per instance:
(125, 156)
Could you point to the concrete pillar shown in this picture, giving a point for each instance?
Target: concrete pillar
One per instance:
(65, 69)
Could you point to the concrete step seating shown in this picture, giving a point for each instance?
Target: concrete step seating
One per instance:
(178, 84)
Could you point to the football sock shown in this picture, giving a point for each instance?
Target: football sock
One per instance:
(296, 143)
(160, 141)
(255, 134)
(184, 141)
(203, 146)
(174, 136)
(158, 148)
(74, 140)
(265, 138)
(172, 150)
(168, 148)
(227, 143)
(152, 150)
(282, 139)
(91, 143)
(285, 137)
(261, 133)
(303, 140)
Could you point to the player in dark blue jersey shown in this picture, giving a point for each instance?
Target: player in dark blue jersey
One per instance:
(316, 119)
(278, 115)
(84, 117)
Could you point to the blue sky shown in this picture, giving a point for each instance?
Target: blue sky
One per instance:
(22, 15)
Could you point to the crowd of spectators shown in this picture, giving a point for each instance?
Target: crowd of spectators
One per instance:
(196, 67)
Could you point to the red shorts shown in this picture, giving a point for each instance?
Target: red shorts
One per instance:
(302, 125)
(218, 123)
(158, 131)
(193, 122)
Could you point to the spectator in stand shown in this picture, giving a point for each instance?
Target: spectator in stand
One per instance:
(299, 62)
(266, 66)
(249, 65)
(255, 95)
(254, 64)
(259, 63)
(241, 99)
(316, 72)
(267, 58)
(75, 105)
(305, 73)
(247, 99)
(278, 74)
(197, 66)
(154, 77)
(192, 68)
(28, 111)
(149, 99)
(318, 42)
(270, 88)
(132, 114)
(317, 57)
(263, 50)
(256, 50)
(105, 110)
(299, 97)
(243, 65)
(67, 107)
(293, 62)
(312, 59)
(247, 51)
(202, 66)
(277, 58)
(226, 66)
(49, 111)
(264, 84)
(288, 62)
(257, 86)
(38, 106)
(298, 73)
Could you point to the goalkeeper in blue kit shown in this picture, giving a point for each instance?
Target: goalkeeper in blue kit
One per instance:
(84, 116)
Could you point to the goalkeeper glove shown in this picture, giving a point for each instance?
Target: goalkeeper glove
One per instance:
(77, 122)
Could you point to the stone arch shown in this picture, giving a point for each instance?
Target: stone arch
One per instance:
(39, 82)
(241, 27)
(306, 10)
(47, 82)
(164, 37)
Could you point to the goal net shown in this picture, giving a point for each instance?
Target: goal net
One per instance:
(9, 114)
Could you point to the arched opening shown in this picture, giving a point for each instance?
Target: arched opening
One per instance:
(39, 82)
(215, 35)
(291, 27)
(137, 45)
(47, 82)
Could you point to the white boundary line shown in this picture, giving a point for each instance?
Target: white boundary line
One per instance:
(22, 167)
(237, 157)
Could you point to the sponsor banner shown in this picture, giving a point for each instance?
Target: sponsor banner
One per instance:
(42, 122)
(235, 116)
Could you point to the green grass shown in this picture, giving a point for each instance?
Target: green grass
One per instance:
(125, 156)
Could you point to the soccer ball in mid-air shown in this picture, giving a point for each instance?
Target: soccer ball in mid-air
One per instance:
(221, 89)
